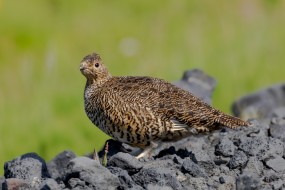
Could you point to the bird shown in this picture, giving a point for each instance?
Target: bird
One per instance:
(144, 111)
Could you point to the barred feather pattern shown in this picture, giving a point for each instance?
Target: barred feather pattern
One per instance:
(139, 110)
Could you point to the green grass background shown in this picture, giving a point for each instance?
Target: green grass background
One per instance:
(240, 43)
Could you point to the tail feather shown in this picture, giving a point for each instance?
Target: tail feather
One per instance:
(231, 121)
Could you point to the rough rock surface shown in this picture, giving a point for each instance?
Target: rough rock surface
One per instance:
(198, 83)
(58, 165)
(83, 172)
(260, 104)
(29, 169)
(246, 158)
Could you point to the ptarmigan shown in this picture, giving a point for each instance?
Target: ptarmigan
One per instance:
(145, 111)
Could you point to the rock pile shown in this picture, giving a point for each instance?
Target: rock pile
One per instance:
(246, 158)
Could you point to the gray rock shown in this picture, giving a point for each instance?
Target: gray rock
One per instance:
(225, 147)
(2, 181)
(224, 169)
(259, 128)
(171, 164)
(170, 153)
(158, 176)
(277, 121)
(222, 180)
(276, 148)
(277, 131)
(254, 166)
(278, 112)
(193, 169)
(14, 183)
(50, 184)
(204, 160)
(125, 180)
(255, 146)
(58, 165)
(271, 176)
(76, 183)
(239, 159)
(275, 180)
(167, 163)
(29, 167)
(158, 187)
(278, 184)
(247, 182)
(265, 187)
(177, 160)
(260, 104)
(91, 172)
(198, 83)
(193, 143)
(219, 160)
(229, 183)
(126, 162)
(195, 183)
(277, 164)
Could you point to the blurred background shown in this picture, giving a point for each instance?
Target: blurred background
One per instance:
(239, 43)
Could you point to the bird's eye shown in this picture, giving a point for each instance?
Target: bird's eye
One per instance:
(96, 64)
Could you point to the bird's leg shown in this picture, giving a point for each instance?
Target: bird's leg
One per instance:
(147, 151)
(136, 152)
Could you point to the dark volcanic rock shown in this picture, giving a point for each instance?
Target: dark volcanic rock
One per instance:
(126, 162)
(163, 172)
(222, 180)
(198, 183)
(277, 131)
(76, 183)
(115, 147)
(14, 183)
(193, 169)
(50, 184)
(204, 160)
(278, 112)
(162, 177)
(276, 148)
(277, 164)
(248, 182)
(239, 159)
(2, 181)
(255, 146)
(260, 104)
(29, 167)
(58, 165)
(91, 172)
(254, 166)
(125, 179)
(158, 187)
(225, 147)
(198, 83)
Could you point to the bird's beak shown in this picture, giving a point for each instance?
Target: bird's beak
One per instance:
(82, 66)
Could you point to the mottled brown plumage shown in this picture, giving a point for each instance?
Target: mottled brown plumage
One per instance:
(144, 111)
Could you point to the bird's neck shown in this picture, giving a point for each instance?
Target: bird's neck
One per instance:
(97, 83)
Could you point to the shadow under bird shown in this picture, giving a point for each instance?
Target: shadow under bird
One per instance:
(144, 111)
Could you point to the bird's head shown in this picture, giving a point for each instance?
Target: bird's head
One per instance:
(93, 69)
